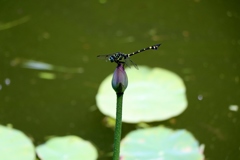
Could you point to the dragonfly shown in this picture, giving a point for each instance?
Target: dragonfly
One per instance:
(120, 57)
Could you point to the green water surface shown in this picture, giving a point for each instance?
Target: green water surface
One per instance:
(200, 42)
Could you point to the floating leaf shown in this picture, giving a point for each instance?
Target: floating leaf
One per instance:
(46, 75)
(15, 145)
(160, 143)
(152, 95)
(66, 148)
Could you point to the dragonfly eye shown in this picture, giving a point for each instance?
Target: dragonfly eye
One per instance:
(111, 59)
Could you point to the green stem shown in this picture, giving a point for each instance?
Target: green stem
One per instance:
(118, 127)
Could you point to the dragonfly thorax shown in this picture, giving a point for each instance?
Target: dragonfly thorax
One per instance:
(117, 57)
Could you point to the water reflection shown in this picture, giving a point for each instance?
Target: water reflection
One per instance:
(38, 65)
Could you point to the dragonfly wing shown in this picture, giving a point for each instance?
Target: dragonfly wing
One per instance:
(129, 63)
(104, 57)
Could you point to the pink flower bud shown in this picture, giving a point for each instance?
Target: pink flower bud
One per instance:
(119, 80)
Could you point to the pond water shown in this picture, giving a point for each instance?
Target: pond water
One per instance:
(49, 73)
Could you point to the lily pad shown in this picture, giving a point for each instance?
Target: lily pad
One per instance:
(15, 145)
(66, 148)
(153, 94)
(160, 143)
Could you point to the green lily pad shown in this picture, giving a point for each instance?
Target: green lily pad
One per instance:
(66, 148)
(153, 94)
(160, 143)
(15, 145)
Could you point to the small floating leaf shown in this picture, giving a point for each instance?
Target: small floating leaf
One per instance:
(15, 145)
(153, 94)
(66, 148)
(160, 143)
(46, 75)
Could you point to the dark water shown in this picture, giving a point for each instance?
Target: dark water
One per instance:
(200, 42)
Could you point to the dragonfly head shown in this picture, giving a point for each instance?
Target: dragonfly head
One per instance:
(111, 59)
